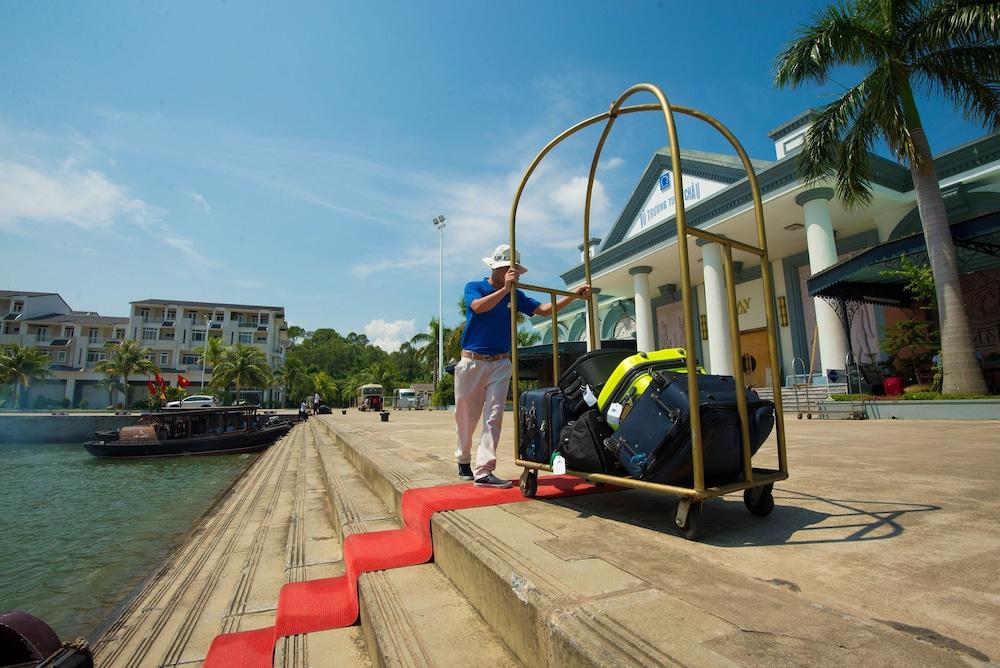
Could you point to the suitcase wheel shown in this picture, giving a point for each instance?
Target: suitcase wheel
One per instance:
(687, 517)
(529, 483)
(759, 500)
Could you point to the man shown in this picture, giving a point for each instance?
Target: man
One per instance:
(482, 376)
(316, 403)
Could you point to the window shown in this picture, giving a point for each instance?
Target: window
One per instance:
(264, 317)
(148, 334)
(68, 331)
(246, 337)
(61, 356)
(18, 307)
(43, 333)
(144, 313)
(198, 335)
(190, 359)
(262, 340)
(95, 356)
(119, 334)
(164, 359)
(218, 317)
(92, 334)
(235, 316)
(151, 357)
(171, 314)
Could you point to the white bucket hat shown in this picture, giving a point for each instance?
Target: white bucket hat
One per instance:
(501, 258)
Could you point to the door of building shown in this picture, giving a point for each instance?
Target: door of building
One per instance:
(756, 360)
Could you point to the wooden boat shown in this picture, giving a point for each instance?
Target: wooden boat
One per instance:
(192, 431)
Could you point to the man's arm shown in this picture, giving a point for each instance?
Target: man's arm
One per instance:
(487, 302)
(546, 309)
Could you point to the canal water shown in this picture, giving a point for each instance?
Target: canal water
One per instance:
(77, 532)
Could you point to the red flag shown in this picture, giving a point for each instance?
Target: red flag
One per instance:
(159, 380)
(152, 388)
(182, 381)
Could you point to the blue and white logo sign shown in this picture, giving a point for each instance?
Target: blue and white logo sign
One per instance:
(664, 180)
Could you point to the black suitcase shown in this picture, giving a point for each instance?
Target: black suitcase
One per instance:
(582, 445)
(654, 441)
(592, 369)
(540, 421)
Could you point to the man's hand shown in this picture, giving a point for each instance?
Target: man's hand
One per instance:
(583, 290)
(509, 279)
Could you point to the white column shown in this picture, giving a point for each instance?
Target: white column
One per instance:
(833, 345)
(70, 388)
(643, 309)
(720, 343)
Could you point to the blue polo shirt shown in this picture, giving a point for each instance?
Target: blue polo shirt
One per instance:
(488, 333)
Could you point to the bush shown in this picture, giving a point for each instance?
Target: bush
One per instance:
(42, 401)
(928, 396)
(851, 397)
(65, 402)
(83, 404)
(918, 389)
(444, 394)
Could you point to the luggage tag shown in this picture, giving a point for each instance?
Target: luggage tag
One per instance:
(588, 396)
(558, 464)
(614, 414)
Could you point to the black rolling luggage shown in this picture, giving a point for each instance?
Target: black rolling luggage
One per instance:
(591, 370)
(540, 420)
(654, 441)
(582, 445)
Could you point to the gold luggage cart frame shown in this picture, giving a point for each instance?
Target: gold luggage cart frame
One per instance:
(756, 483)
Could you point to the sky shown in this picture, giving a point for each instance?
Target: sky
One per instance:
(294, 153)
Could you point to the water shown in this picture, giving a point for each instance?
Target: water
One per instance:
(77, 532)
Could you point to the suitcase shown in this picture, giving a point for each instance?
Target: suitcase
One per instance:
(540, 421)
(582, 445)
(591, 370)
(630, 379)
(654, 442)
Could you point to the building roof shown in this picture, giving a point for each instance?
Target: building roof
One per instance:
(78, 319)
(178, 302)
(24, 293)
(717, 159)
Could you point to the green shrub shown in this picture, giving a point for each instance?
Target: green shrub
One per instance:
(444, 394)
(41, 401)
(851, 397)
(65, 402)
(83, 404)
(937, 396)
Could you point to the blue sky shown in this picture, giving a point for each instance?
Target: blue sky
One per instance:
(295, 153)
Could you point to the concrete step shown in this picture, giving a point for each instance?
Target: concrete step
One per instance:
(601, 580)
(409, 616)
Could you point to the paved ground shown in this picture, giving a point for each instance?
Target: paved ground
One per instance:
(890, 521)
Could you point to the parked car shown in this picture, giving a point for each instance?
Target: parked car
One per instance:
(195, 401)
(324, 410)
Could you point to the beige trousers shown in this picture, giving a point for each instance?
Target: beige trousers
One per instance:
(480, 390)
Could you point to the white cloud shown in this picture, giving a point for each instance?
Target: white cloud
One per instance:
(186, 246)
(389, 335)
(613, 164)
(200, 199)
(570, 198)
(67, 193)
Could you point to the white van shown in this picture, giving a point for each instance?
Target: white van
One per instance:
(405, 398)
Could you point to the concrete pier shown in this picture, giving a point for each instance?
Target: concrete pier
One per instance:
(882, 550)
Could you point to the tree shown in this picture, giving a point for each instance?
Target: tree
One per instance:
(427, 345)
(325, 387)
(212, 353)
(948, 48)
(241, 365)
(526, 337)
(128, 358)
(19, 366)
(112, 384)
(287, 375)
(381, 373)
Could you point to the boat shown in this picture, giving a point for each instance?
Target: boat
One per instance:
(191, 431)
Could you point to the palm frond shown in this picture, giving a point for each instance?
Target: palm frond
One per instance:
(839, 35)
(968, 77)
(818, 159)
(953, 23)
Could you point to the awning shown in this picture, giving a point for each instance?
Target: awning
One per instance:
(860, 278)
(58, 343)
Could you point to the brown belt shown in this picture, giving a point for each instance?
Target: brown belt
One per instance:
(485, 358)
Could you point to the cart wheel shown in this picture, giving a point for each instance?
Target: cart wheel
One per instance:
(763, 504)
(529, 483)
(800, 416)
(809, 416)
(690, 526)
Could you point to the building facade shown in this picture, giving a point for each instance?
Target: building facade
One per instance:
(635, 267)
(173, 331)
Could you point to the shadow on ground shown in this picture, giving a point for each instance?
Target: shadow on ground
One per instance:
(799, 518)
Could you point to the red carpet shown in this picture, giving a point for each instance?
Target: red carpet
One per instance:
(330, 603)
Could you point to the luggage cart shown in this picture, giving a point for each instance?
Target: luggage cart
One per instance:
(755, 483)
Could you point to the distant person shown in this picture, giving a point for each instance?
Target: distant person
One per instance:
(316, 403)
(303, 414)
(482, 376)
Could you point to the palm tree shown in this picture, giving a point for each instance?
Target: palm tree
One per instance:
(112, 385)
(212, 352)
(242, 364)
(128, 358)
(526, 337)
(381, 373)
(19, 366)
(426, 344)
(949, 48)
(287, 375)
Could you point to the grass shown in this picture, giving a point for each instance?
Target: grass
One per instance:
(914, 396)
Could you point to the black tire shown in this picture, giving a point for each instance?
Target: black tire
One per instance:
(529, 483)
(764, 505)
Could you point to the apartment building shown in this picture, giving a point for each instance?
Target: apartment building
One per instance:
(76, 341)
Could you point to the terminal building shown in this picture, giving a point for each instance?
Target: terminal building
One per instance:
(173, 331)
(832, 298)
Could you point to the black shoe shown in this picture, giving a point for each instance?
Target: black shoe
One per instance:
(465, 471)
(493, 481)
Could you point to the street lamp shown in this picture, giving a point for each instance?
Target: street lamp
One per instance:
(439, 224)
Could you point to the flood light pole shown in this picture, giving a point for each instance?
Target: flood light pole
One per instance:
(439, 224)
